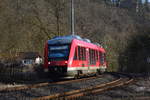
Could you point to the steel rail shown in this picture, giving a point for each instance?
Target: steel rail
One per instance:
(142, 98)
(90, 90)
(108, 86)
(74, 91)
(17, 88)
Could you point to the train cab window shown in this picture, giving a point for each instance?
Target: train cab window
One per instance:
(58, 52)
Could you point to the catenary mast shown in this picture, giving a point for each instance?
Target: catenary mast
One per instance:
(72, 18)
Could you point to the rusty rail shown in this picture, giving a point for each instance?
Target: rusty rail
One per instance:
(142, 98)
(17, 88)
(90, 90)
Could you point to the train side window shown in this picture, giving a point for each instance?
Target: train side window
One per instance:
(79, 53)
(76, 55)
(96, 55)
(92, 57)
(83, 53)
(102, 57)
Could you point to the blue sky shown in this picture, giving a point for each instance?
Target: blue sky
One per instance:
(144, 0)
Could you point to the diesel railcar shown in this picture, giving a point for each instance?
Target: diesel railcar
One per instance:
(71, 55)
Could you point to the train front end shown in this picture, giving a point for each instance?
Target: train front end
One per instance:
(56, 56)
(58, 59)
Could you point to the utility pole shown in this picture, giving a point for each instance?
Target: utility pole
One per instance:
(137, 6)
(72, 18)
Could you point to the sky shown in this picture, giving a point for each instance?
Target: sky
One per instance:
(144, 1)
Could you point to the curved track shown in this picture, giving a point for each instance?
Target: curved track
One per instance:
(17, 88)
(66, 89)
(122, 80)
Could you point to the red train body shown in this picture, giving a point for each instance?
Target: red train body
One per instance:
(71, 55)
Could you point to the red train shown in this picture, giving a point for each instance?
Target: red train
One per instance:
(72, 56)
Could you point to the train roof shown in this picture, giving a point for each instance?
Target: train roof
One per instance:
(68, 39)
(63, 39)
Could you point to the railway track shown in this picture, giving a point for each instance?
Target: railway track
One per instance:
(90, 90)
(17, 88)
(65, 89)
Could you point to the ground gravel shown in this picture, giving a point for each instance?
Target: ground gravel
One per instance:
(52, 89)
(139, 90)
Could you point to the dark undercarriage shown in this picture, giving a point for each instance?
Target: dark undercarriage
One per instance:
(58, 71)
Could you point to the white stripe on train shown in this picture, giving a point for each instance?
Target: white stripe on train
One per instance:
(85, 68)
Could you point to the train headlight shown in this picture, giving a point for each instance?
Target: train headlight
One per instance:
(66, 62)
(49, 62)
